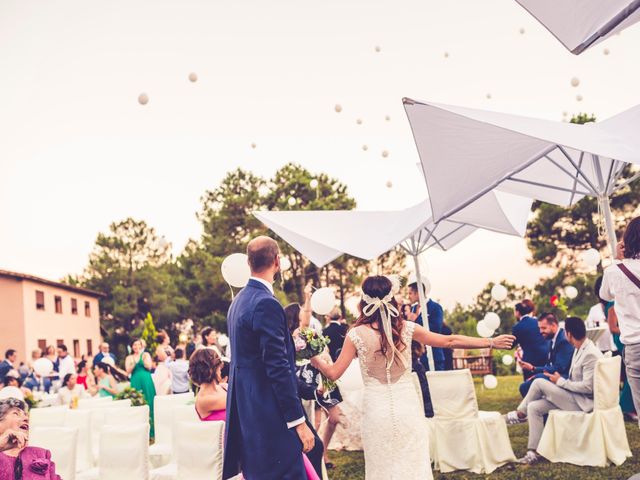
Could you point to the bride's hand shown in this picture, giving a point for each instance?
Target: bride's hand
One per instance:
(503, 342)
(317, 362)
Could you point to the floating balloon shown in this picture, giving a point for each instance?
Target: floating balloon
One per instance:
(193, 77)
(292, 201)
(499, 292)
(565, 113)
(575, 81)
(425, 281)
(446, 54)
(11, 392)
(579, 98)
(571, 292)
(387, 118)
(492, 320)
(285, 263)
(359, 121)
(365, 148)
(338, 108)
(235, 270)
(488, 96)
(591, 257)
(43, 367)
(109, 361)
(606, 51)
(507, 360)
(143, 99)
(522, 31)
(223, 340)
(395, 283)
(378, 48)
(490, 382)
(313, 183)
(253, 145)
(385, 153)
(483, 329)
(323, 300)
(389, 184)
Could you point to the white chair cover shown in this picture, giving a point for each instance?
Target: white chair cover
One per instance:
(590, 439)
(81, 419)
(62, 443)
(124, 452)
(461, 437)
(199, 450)
(91, 402)
(163, 413)
(127, 415)
(48, 416)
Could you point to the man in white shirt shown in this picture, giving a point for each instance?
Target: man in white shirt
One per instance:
(621, 284)
(66, 364)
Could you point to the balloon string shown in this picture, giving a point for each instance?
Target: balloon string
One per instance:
(231, 288)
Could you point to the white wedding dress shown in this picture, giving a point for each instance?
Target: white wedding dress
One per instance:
(394, 429)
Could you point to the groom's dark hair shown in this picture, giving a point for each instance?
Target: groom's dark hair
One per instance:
(262, 252)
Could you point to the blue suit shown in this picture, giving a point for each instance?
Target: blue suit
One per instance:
(535, 349)
(435, 314)
(263, 391)
(559, 360)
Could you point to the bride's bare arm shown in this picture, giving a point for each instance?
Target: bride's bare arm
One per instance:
(424, 336)
(333, 371)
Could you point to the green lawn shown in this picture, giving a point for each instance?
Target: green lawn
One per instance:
(350, 465)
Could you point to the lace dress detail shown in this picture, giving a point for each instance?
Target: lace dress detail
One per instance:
(394, 428)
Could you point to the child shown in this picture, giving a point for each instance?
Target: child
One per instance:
(417, 351)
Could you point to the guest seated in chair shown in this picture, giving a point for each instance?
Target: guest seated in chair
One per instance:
(574, 393)
(17, 460)
(560, 352)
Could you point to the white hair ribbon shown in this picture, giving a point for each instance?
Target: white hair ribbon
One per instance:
(387, 310)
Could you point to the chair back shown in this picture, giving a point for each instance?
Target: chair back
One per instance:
(124, 452)
(48, 416)
(163, 414)
(606, 383)
(81, 419)
(199, 450)
(62, 443)
(127, 415)
(92, 402)
(453, 394)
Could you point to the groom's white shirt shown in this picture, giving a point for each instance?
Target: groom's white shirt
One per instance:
(300, 420)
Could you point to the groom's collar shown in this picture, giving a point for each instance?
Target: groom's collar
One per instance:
(263, 282)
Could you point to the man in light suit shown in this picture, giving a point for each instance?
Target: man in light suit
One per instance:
(573, 394)
(266, 430)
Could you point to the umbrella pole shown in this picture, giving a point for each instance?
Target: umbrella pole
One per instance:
(610, 228)
(423, 310)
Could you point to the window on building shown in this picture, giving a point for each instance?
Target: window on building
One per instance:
(89, 348)
(76, 348)
(87, 309)
(42, 345)
(74, 306)
(58, 303)
(59, 342)
(39, 300)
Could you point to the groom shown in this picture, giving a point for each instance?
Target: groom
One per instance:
(266, 431)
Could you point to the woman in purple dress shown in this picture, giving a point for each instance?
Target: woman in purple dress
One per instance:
(17, 460)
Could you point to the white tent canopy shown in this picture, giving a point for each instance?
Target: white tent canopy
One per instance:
(476, 151)
(580, 24)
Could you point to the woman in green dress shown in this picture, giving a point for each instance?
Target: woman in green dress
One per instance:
(138, 366)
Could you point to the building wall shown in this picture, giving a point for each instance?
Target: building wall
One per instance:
(12, 333)
(50, 327)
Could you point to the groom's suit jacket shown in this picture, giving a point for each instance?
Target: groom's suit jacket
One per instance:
(263, 391)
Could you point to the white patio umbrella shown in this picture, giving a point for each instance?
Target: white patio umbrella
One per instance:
(554, 162)
(580, 24)
(322, 236)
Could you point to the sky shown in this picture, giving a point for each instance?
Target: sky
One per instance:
(78, 151)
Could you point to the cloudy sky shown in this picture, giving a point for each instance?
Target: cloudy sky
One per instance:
(79, 152)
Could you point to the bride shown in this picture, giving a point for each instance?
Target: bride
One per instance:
(394, 438)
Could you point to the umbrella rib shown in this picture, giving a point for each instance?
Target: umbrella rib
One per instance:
(442, 239)
(568, 172)
(609, 175)
(626, 182)
(435, 239)
(594, 190)
(545, 185)
(575, 183)
(608, 27)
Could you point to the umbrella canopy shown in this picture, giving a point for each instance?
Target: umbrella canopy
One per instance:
(555, 162)
(580, 24)
(322, 236)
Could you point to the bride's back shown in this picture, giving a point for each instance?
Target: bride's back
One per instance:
(373, 363)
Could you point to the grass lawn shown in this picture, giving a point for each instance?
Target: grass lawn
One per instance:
(350, 465)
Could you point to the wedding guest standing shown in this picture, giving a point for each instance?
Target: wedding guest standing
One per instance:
(66, 364)
(435, 315)
(336, 331)
(534, 347)
(621, 283)
(138, 366)
(10, 357)
(597, 317)
(18, 460)
(103, 353)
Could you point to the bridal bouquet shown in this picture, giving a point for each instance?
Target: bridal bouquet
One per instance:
(310, 343)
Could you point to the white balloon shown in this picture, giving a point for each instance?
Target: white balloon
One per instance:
(223, 340)
(499, 292)
(285, 263)
(378, 48)
(395, 283)
(235, 270)
(313, 183)
(507, 360)
(483, 330)
(43, 366)
(338, 108)
(490, 382)
(591, 257)
(143, 99)
(253, 145)
(389, 184)
(11, 392)
(292, 201)
(492, 320)
(425, 282)
(365, 148)
(385, 153)
(359, 121)
(575, 81)
(579, 98)
(606, 51)
(323, 300)
(571, 292)
(193, 77)
(387, 118)
(522, 31)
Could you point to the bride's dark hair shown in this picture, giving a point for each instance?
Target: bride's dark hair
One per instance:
(379, 287)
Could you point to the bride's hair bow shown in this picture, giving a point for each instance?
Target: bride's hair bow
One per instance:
(387, 310)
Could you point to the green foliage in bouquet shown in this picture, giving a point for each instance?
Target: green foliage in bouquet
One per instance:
(136, 397)
(309, 343)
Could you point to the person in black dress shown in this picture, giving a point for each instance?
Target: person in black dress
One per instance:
(448, 352)
(336, 330)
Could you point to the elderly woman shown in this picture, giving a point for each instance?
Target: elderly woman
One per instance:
(17, 460)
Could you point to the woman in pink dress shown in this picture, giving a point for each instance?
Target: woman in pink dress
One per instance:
(205, 366)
